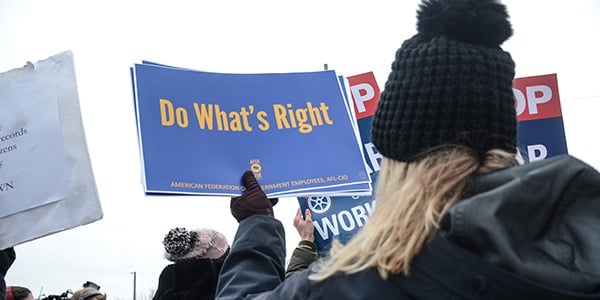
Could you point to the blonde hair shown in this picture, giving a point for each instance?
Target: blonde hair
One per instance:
(80, 293)
(410, 198)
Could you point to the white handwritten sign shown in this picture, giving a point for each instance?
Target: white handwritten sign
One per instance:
(46, 179)
(33, 168)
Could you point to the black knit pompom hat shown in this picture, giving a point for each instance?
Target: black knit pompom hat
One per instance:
(450, 84)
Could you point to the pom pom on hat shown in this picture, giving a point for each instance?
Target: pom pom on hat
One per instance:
(450, 84)
(181, 244)
(482, 22)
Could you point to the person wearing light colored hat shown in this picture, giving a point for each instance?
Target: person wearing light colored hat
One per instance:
(197, 256)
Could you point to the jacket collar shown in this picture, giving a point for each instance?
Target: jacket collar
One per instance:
(539, 220)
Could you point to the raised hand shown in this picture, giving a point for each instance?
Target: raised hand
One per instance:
(304, 225)
(253, 201)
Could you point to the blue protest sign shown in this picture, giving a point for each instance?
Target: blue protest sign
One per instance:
(199, 131)
(540, 139)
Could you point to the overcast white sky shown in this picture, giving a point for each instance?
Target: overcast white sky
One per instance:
(107, 37)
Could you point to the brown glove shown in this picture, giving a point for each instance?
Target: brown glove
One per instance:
(253, 201)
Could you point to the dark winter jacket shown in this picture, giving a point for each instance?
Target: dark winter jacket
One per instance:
(7, 257)
(194, 279)
(304, 255)
(528, 232)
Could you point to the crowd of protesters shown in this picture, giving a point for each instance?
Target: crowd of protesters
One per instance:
(457, 216)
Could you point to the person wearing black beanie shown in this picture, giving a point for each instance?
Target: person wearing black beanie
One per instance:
(451, 84)
(456, 216)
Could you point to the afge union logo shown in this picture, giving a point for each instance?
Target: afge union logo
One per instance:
(255, 167)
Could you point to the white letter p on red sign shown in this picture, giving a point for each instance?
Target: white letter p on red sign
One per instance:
(361, 98)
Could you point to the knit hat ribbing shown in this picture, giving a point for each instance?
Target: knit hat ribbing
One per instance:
(181, 244)
(450, 84)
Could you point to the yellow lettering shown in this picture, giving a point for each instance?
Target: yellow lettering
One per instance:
(280, 116)
(236, 122)
(182, 117)
(291, 114)
(167, 114)
(222, 123)
(324, 108)
(245, 115)
(204, 116)
(305, 118)
(302, 117)
(264, 124)
(315, 114)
